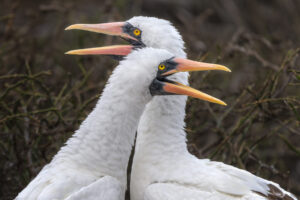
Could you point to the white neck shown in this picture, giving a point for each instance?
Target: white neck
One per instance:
(103, 143)
(161, 128)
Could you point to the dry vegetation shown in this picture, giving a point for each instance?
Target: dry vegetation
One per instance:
(45, 94)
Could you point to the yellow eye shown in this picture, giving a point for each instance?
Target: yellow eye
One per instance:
(161, 67)
(137, 32)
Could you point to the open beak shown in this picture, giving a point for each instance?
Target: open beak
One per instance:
(162, 86)
(114, 28)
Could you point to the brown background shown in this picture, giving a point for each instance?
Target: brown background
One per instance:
(44, 94)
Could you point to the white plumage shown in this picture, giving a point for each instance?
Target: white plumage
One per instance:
(93, 163)
(162, 166)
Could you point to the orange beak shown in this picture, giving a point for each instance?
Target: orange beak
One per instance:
(114, 28)
(118, 50)
(178, 88)
(185, 65)
(163, 86)
(160, 86)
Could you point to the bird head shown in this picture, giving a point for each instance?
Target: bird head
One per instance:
(141, 31)
(162, 64)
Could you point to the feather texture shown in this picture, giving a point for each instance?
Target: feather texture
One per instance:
(96, 156)
(162, 167)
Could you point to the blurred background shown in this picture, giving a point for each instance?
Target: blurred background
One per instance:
(45, 94)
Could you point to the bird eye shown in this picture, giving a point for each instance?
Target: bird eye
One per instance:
(161, 67)
(136, 32)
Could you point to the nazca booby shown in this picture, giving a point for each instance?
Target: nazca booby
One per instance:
(93, 163)
(162, 167)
